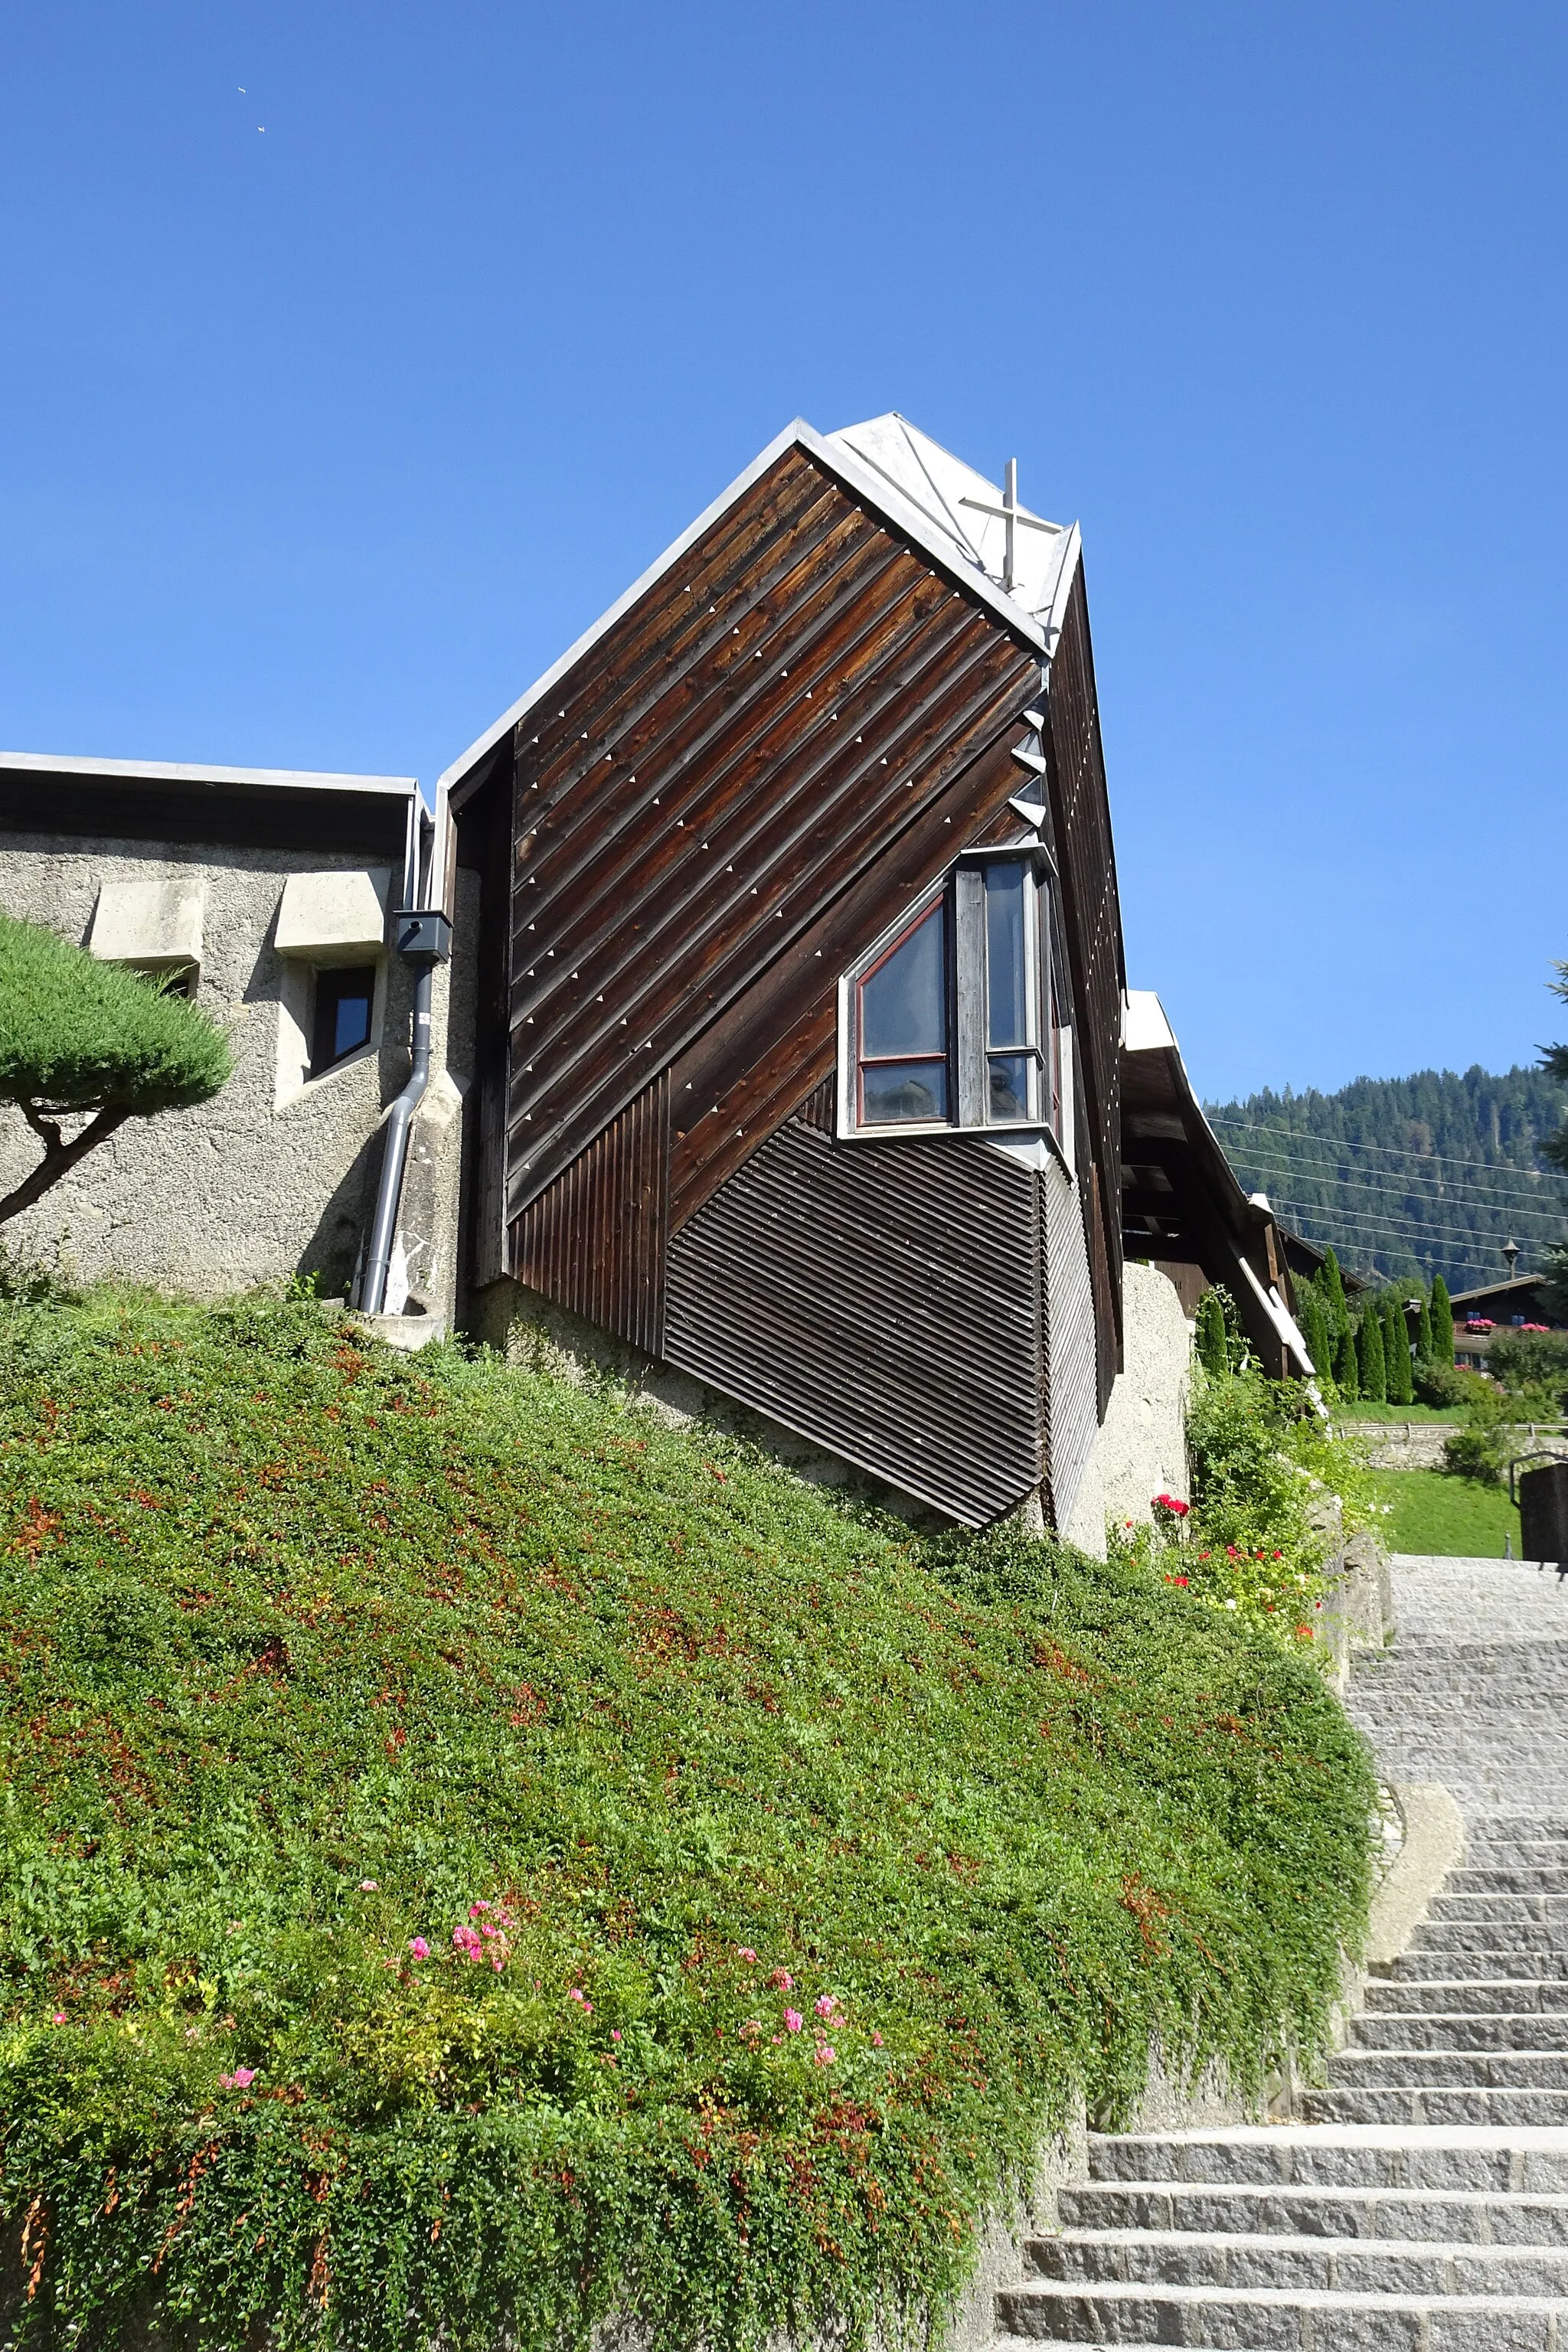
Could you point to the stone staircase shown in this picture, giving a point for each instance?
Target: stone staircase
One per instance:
(1419, 2201)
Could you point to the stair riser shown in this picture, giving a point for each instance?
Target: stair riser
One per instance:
(1233, 2323)
(1402, 1997)
(1498, 2031)
(1302, 2267)
(1308, 2161)
(1418, 1966)
(1495, 2109)
(1494, 2070)
(1307, 2212)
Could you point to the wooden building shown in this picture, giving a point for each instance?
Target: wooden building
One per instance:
(800, 974)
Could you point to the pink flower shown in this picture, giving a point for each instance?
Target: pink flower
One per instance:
(59, 2018)
(877, 2039)
(477, 1909)
(782, 1978)
(826, 2053)
(576, 1994)
(370, 1887)
(420, 1948)
(827, 2004)
(240, 2079)
(615, 2032)
(792, 2021)
(744, 1952)
(465, 1941)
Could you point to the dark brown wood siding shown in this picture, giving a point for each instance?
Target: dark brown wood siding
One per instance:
(595, 1240)
(777, 712)
(1081, 813)
(883, 1299)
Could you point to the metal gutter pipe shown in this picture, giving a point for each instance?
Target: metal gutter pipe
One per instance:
(400, 1122)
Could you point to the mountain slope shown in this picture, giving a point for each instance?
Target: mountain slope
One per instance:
(1430, 1173)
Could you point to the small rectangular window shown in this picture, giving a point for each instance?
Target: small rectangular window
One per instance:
(345, 997)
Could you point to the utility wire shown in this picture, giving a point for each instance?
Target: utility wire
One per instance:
(1320, 1170)
(1388, 1191)
(1389, 1151)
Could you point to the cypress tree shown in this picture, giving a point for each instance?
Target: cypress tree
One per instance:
(1346, 1379)
(1211, 1336)
(1334, 1298)
(1396, 1350)
(1315, 1331)
(1369, 1357)
(1442, 1314)
(1423, 1329)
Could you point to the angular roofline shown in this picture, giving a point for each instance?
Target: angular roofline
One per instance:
(168, 772)
(873, 489)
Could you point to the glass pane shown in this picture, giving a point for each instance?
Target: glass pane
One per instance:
(1009, 1086)
(903, 1005)
(895, 1090)
(352, 1025)
(1007, 1019)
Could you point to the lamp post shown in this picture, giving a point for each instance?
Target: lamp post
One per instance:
(1510, 1252)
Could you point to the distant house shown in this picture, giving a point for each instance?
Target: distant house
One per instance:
(787, 971)
(1480, 1314)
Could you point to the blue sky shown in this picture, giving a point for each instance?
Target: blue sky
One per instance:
(319, 440)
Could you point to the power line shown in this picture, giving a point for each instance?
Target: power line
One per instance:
(1411, 1229)
(1327, 1171)
(1385, 1187)
(1389, 1151)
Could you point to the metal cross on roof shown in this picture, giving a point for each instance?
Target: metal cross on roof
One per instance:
(1012, 514)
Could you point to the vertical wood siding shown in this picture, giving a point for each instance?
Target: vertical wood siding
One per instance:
(1071, 1386)
(1093, 927)
(595, 1240)
(883, 1300)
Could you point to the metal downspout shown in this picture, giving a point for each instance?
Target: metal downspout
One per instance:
(399, 1125)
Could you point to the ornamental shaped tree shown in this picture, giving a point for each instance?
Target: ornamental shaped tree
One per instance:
(1442, 1316)
(1334, 1305)
(1423, 1329)
(1315, 1329)
(1368, 1355)
(84, 1039)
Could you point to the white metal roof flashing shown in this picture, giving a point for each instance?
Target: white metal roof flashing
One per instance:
(167, 772)
(896, 472)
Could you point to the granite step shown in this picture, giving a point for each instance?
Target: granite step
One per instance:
(1435, 2030)
(1306, 2210)
(1280, 2319)
(1498, 2108)
(1223, 2257)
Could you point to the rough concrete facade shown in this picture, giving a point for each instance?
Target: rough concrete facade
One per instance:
(277, 1174)
(1141, 1448)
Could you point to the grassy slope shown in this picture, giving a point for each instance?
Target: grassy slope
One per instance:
(310, 1649)
(1432, 1512)
(1398, 1414)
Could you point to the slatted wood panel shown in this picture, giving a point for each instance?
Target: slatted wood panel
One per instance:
(771, 719)
(1093, 928)
(1073, 1415)
(595, 1240)
(742, 1078)
(883, 1300)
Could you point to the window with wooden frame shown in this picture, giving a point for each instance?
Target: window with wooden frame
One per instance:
(953, 1022)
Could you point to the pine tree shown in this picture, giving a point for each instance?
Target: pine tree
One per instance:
(1334, 1298)
(1346, 1377)
(1369, 1356)
(1423, 1329)
(1396, 1348)
(1211, 1336)
(1442, 1316)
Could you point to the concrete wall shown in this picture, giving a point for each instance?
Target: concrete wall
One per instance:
(278, 1173)
(1140, 1449)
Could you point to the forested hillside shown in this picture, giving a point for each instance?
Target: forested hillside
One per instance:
(1432, 1172)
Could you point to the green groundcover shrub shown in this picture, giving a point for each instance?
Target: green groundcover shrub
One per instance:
(476, 1859)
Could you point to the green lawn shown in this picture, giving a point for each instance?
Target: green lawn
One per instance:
(1397, 1413)
(1434, 1513)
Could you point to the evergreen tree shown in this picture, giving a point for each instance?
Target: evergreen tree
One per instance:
(1442, 1319)
(1314, 1326)
(1369, 1357)
(1211, 1336)
(1346, 1377)
(1396, 1348)
(1423, 1329)
(1334, 1298)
